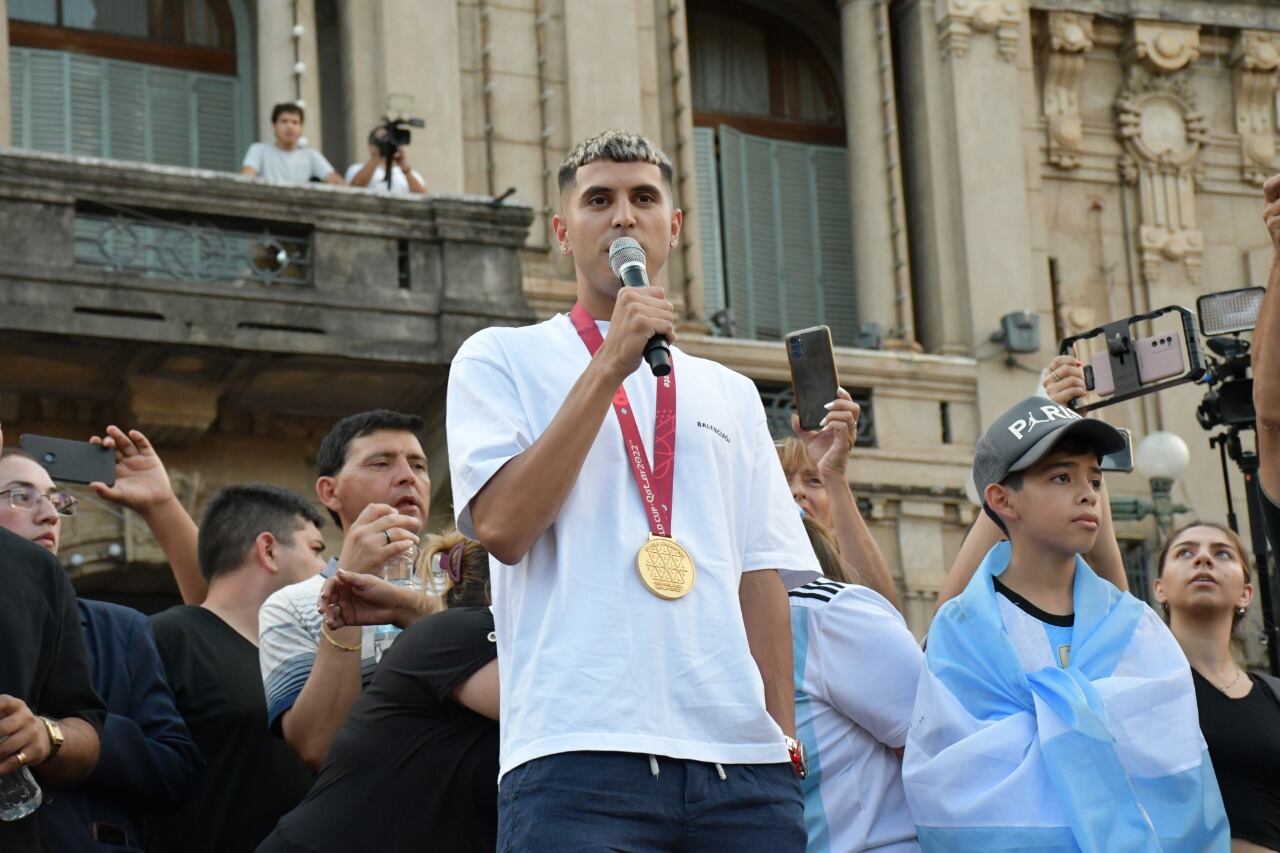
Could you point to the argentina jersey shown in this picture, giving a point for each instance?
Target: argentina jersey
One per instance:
(856, 666)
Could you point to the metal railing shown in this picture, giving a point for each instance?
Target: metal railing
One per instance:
(191, 250)
(780, 404)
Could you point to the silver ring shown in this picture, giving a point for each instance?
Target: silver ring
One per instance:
(1054, 375)
(387, 533)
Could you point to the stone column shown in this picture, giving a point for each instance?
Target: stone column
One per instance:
(604, 67)
(980, 44)
(6, 126)
(928, 145)
(419, 56)
(276, 82)
(873, 180)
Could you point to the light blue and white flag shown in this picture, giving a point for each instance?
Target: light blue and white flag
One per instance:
(1007, 751)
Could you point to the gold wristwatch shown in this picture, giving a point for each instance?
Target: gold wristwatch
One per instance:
(56, 737)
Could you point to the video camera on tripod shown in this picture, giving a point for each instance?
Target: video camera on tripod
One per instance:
(394, 133)
(1223, 317)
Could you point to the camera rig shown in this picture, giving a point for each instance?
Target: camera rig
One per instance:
(1122, 351)
(392, 135)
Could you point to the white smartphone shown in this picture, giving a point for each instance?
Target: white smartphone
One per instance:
(1159, 357)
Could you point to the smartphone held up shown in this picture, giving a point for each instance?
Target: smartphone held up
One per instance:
(814, 381)
(72, 461)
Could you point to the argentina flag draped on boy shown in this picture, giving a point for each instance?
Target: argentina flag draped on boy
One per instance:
(1008, 751)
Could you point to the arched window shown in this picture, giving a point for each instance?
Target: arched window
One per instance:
(148, 80)
(198, 35)
(771, 156)
(754, 72)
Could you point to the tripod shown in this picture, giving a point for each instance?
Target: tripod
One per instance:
(1228, 444)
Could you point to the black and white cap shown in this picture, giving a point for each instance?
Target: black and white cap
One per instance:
(1021, 436)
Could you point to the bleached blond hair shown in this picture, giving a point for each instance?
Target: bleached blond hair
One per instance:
(618, 146)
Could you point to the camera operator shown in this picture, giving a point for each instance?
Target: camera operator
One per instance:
(373, 174)
(1266, 372)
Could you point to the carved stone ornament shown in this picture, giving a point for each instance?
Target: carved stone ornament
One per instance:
(1070, 38)
(1255, 59)
(1162, 46)
(1163, 137)
(958, 19)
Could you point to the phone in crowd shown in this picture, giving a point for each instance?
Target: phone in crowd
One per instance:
(109, 833)
(1121, 460)
(72, 461)
(1159, 357)
(812, 358)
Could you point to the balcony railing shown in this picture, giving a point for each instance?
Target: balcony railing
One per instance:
(162, 255)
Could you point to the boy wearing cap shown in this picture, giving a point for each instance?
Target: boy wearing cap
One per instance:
(1054, 712)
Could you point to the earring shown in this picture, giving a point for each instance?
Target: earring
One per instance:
(1240, 611)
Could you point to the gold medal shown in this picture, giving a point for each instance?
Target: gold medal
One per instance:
(666, 568)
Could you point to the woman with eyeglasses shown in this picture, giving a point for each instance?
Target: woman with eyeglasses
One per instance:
(148, 758)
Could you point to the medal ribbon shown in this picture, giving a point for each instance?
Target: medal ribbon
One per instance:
(657, 483)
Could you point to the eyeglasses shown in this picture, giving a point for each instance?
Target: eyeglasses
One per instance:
(25, 497)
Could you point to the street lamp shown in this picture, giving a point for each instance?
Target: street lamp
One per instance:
(1161, 457)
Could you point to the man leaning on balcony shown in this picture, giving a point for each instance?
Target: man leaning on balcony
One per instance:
(284, 160)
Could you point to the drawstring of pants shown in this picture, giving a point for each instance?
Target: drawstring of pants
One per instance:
(653, 768)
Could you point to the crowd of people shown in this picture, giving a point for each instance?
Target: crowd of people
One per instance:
(677, 637)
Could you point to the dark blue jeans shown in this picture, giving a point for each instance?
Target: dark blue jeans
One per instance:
(610, 801)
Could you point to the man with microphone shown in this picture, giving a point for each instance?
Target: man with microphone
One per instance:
(643, 538)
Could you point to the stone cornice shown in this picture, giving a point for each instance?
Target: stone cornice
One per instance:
(909, 374)
(1226, 14)
(35, 176)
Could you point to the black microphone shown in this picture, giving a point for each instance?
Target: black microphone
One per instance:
(626, 258)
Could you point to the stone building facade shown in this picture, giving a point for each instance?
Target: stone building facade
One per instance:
(906, 171)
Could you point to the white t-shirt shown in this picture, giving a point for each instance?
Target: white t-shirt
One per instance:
(399, 183)
(856, 667)
(297, 166)
(590, 659)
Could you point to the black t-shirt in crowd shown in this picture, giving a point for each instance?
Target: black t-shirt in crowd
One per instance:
(42, 659)
(411, 769)
(251, 777)
(1244, 744)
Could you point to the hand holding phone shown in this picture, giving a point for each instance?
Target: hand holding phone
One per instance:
(811, 356)
(71, 461)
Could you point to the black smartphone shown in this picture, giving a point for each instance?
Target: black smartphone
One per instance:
(812, 358)
(72, 461)
(1121, 460)
(109, 833)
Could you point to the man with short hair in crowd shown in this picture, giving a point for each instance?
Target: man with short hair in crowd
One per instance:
(284, 160)
(50, 717)
(254, 539)
(643, 626)
(147, 756)
(373, 172)
(373, 480)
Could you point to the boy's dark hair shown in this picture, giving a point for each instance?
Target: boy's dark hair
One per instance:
(287, 107)
(617, 146)
(332, 454)
(237, 515)
(1070, 445)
